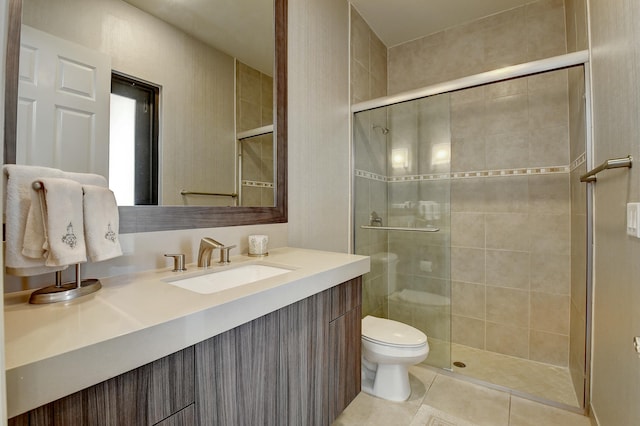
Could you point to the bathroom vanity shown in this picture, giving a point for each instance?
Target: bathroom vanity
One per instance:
(281, 350)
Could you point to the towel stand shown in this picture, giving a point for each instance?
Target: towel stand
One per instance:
(63, 292)
(60, 292)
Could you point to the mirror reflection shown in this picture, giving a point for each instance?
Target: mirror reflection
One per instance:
(170, 116)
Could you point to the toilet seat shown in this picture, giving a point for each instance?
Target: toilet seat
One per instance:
(391, 333)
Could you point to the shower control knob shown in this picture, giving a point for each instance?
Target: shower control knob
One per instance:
(636, 344)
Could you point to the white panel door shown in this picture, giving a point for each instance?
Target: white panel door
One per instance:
(63, 104)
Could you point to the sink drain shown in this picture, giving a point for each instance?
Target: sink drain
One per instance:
(459, 364)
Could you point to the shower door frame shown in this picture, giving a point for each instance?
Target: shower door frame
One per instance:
(580, 58)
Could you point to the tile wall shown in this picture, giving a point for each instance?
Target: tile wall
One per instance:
(254, 109)
(511, 235)
(369, 81)
(533, 31)
(368, 61)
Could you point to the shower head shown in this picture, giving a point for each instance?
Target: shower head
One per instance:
(384, 129)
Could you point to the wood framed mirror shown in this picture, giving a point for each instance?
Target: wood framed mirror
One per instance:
(175, 217)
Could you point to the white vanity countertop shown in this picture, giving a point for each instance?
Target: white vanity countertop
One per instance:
(56, 349)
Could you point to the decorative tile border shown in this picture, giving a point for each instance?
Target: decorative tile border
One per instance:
(533, 171)
(369, 175)
(579, 161)
(257, 184)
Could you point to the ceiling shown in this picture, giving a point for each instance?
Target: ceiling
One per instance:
(399, 21)
(242, 29)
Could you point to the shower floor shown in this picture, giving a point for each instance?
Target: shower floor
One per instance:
(534, 378)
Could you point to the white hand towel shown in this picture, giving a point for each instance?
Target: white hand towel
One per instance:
(18, 189)
(63, 225)
(34, 234)
(101, 223)
(87, 178)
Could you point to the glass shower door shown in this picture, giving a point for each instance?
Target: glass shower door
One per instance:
(402, 220)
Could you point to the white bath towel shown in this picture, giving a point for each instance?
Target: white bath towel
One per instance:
(63, 240)
(17, 189)
(101, 223)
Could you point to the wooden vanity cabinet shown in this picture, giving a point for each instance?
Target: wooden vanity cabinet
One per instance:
(299, 365)
(147, 395)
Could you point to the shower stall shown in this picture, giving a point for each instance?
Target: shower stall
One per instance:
(468, 200)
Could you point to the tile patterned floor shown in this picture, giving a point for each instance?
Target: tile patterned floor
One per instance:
(439, 400)
(534, 378)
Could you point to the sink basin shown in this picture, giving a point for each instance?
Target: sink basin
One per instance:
(229, 278)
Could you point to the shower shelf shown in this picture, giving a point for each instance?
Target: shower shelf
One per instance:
(400, 228)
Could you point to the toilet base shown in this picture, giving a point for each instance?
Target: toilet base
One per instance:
(389, 381)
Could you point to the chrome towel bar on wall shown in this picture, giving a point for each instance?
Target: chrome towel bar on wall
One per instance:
(613, 163)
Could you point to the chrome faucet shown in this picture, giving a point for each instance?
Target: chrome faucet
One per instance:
(207, 246)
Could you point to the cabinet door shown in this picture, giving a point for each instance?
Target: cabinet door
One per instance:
(302, 378)
(344, 361)
(237, 375)
(143, 396)
(185, 417)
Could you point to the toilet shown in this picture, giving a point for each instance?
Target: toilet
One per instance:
(389, 348)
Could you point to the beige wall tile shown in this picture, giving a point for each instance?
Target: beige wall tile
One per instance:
(507, 195)
(507, 151)
(359, 82)
(507, 114)
(467, 154)
(548, 108)
(359, 39)
(468, 195)
(468, 300)
(503, 43)
(550, 194)
(508, 269)
(467, 230)
(467, 331)
(545, 28)
(549, 146)
(551, 273)
(549, 348)
(368, 61)
(550, 312)
(508, 339)
(553, 233)
(508, 231)
(468, 119)
(508, 306)
(467, 265)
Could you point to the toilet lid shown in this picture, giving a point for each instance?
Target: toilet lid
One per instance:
(391, 333)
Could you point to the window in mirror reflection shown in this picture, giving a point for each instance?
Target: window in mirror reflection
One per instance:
(133, 141)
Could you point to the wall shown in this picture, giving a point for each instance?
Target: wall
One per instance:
(254, 109)
(197, 87)
(522, 34)
(319, 125)
(615, 67)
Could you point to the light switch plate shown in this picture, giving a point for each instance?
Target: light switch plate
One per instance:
(633, 219)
